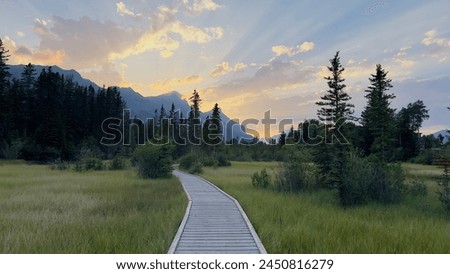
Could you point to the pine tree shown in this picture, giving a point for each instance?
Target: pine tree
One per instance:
(378, 116)
(196, 101)
(334, 110)
(4, 69)
(334, 105)
(194, 119)
(282, 139)
(4, 80)
(215, 126)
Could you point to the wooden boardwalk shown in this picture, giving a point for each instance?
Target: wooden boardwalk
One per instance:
(214, 222)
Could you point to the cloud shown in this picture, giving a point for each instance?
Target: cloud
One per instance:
(169, 84)
(20, 34)
(224, 68)
(437, 47)
(85, 42)
(400, 57)
(276, 79)
(25, 55)
(431, 39)
(198, 6)
(124, 11)
(281, 50)
(88, 43)
(306, 46)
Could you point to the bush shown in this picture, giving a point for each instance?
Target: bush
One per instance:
(88, 160)
(417, 187)
(191, 163)
(354, 188)
(388, 182)
(261, 179)
(222, 160)
(426, 157)
(194, 161)
(153, 161)
(118, 163)
(297, 173)
(366, 179)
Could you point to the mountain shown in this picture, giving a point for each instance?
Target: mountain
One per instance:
(144, 107)
(445, 133)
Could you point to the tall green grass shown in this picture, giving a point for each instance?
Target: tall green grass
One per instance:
(49, 211)
(313, 222)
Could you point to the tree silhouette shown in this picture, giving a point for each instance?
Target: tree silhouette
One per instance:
(378, 117)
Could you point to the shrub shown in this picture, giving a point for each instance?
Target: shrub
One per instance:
(365, 179)
(417, 187)
(88, 160)
(222, 160)
(426, 157)
(296, 173)
(118, 163)
(261, 179)
(190, 160)
(196, 168)
(153, 161)
(354, 188)
(388, 182)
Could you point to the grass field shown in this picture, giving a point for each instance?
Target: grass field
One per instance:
(312, 222)
(48, 211)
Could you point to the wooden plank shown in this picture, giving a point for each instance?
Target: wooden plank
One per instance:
(214, 222)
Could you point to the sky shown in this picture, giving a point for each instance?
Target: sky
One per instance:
(249, 56)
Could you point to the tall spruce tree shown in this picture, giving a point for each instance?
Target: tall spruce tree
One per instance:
(4, 69)
(378, 117)
(4, 80)
(215, 126)
(195, 131)
(334, 110)
(334, 105)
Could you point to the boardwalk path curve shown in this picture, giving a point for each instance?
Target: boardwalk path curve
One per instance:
(214, 222)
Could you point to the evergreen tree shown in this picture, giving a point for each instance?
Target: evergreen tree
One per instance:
(282, 139)
(378, 116)
(194, 119)
(334, 110)
(196, 101)
(4, 69)
(213, 127)
(4, 80)
(334, 105)
(408, 123)
(28, 77)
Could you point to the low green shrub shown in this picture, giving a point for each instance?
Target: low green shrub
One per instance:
(261, 179)
(365, 179)
(117, 163)
(153, 161)
(88, 160)
(296, 173)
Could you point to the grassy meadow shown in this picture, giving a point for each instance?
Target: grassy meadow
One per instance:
(50, 211)
(313, 222)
